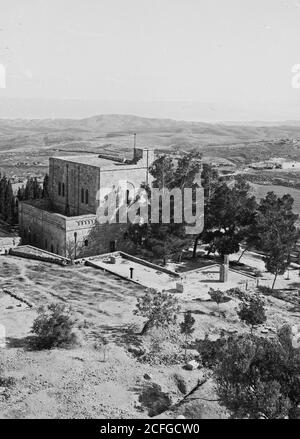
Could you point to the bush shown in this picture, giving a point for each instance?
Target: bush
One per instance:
(154, 399)
(209, 350)
(54, 327)
(193, 409)
(266, 291)
(259, 377)
(159, 308)
(164, 346)
(7, 381)
(253, 311)
(238, 294)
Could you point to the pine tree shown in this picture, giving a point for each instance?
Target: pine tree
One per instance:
(45, 192)
(276, 233)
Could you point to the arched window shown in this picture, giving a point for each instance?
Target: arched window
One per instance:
(86, 196)
(82, 195)
(63, 189)
(59, 188)
(127, 197)
(86, 243)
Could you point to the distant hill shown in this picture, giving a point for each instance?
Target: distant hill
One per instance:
(112, 132)
(113, 123)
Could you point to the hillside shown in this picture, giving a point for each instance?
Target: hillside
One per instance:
(126, 124)
(28, 144)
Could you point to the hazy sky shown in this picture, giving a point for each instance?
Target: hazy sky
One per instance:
(224, 53)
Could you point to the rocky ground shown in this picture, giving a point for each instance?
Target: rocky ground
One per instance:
(80, 382)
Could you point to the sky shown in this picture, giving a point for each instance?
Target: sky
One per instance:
(225, 59)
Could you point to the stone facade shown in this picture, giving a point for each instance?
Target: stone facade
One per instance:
(67, 223)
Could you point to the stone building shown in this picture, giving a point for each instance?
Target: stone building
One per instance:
(67, 224)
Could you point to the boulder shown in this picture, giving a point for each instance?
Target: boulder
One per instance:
(136, 350)
(192, 365)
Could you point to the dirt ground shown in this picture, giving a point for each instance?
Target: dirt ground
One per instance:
(78, 383)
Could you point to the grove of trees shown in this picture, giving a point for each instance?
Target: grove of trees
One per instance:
(9, 201)
(232, 216)
(160, 240)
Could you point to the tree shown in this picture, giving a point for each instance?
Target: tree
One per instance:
(277, 261)
(159, 308)
(257, 377)
(229, 215)
(161, 240)
(187, 327)
(54, 326)
(45, 191)
(8, 206)
(252, 312)
(33, 189)
(210, 180)
(162, 171)
(217, 296)
(274, 227)
(187, 171)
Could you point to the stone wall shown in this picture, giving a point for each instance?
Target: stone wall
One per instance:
(93, 238)
(75, 177)
(42, 229)
(71, 237)
(133, 175)
(78, 176)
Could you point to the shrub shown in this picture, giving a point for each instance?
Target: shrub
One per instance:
(238, 294)
(165, 347)
(159, 308)
(154, 399)
(257, 377)
(266, 291)
(7, 381)
(253, 312)
(209, 350)
(187, 327)
(217, 296)
(54, 327)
